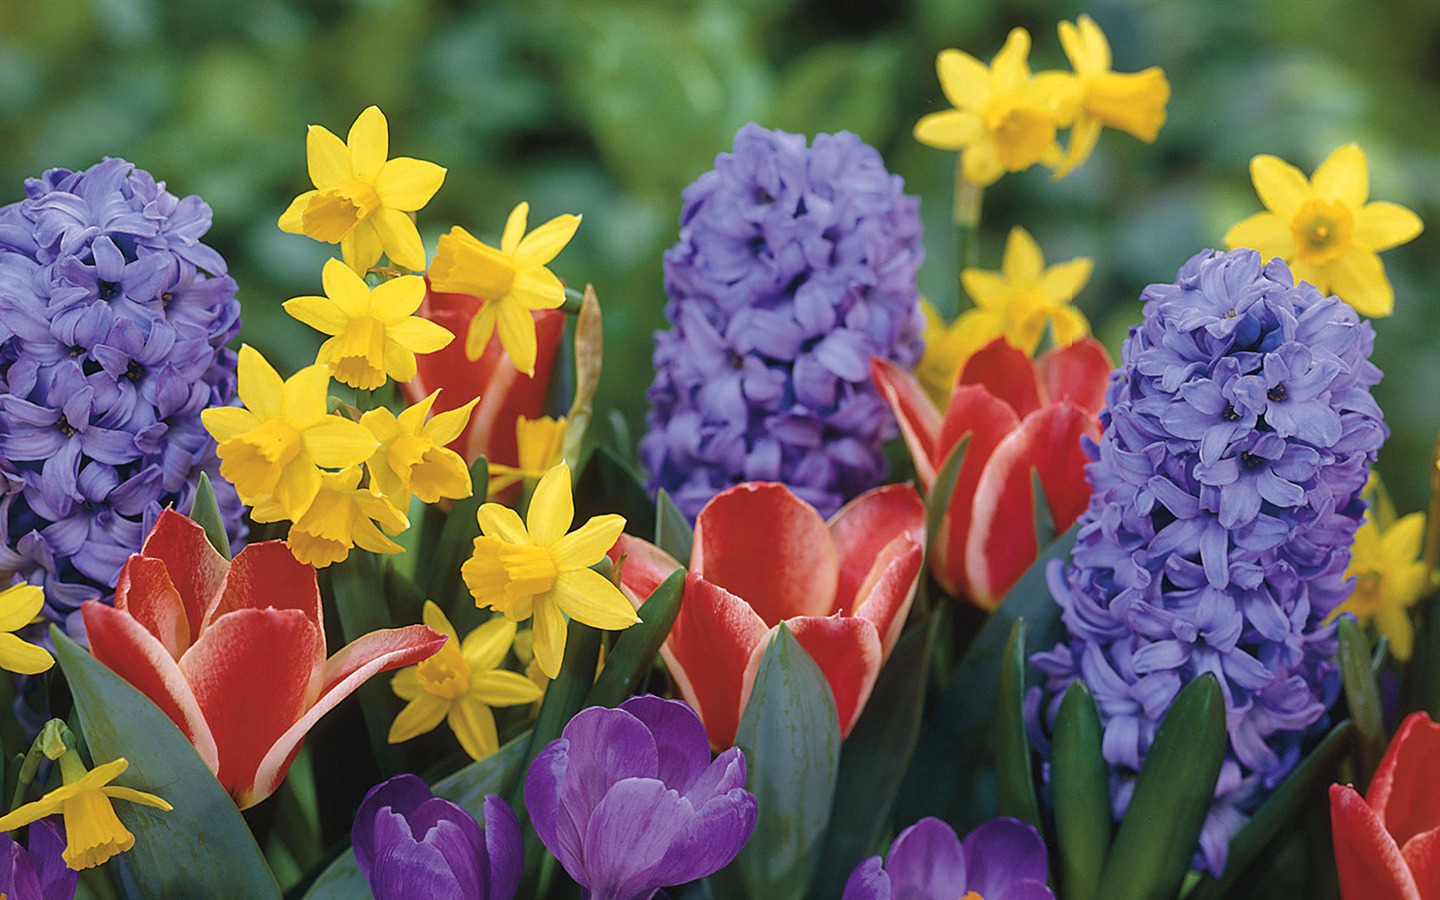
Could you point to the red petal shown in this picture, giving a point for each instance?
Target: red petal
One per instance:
(919, 419)
(865, 526)
(144, 590)
(1078, 373)
(136, 655)
(987, 419)
(765, 545)
(1001, 543)
(848, 652)
(1403, 789)
(1367, 857)
(889, 589)
(195, 568)
(707, 653)
(645, 566)
(1008, 374)
(1422, 854)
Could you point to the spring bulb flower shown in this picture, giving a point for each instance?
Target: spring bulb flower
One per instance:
(19, 605)
(413, 456)
(342, 516)
(1390, 578)
(1024, 296)
(541, 445)
(37, 872)
(1003, 859)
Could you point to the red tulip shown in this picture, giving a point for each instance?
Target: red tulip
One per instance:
(505, 394)
(1387, 845)
(763, 556)
(234, 652)
(1020, 415)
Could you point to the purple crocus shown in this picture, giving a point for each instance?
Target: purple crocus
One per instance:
(1238, 433)
(629, 800)
(39, 872)
(410, 843)
(1003, 859)
(795, 266)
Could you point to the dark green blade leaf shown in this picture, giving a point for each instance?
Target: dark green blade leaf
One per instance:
(202, 847)
(1362, 695)
(1278, 813)
(1014, 775)
(442, 581)
(942, 489)
(607, 485)
(205, 512)
(790, 735)
(1158, 835)
(1080, 786)
(672, 532)
(360, 604)
(636, 647)
(872, 762)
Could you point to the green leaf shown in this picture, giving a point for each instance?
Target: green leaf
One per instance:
(202, 847)
(1278, 813)
(672, 532)
(497, 774)
(1080, 786)
(205, 512)
(1173, 791)
(442, 581)
(636, 647)
(942, 490)
(1362, 695)
(1014, 773)
(361, 607)
(872, 762)
(1044, 520)
(607, 485)
(790, 735)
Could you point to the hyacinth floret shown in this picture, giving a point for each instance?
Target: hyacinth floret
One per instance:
(1238, 434)
(113, 323)
(795, 266)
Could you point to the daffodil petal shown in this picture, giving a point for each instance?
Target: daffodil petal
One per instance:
(120, 792)
(964, 80)
(1084, 135)
(589, 597)
(517, 334)
(1401, 542)
(446, 427)
(1358, 278)
(1069, 324)
(502, 523)
(543, 244)
(304, 396)
(949, 129)
(337, 443)
(32, 812)
(297, 488)
(406, 683)
(326, 158)
(1281, 186)
(23, 657)
(419, 335)
(552, 508)
(290, 219)
(1023, 261)
(399, 237)
(399, 362)
(1265, 232)
(585, 546)
(361, 248)
(482, 327)
(502, 688)
(261, 388)
(981, 164)
(432, 615)
(1394, 623)
(549, 635)
(486, 646)
(19, 605)
(514, 228)
(320, 313)
(420, 716)
(397, 299)
(474, 726)
(1344, 176)
(537, 289)
(347, 290)
(408, 184)
(1380, 226)
(1062, 281)
(1010, 68)
(369, 144)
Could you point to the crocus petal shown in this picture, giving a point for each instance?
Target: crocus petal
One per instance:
(683, 753)
(865, 527)
(1367, 858)
(1079, 373)
(628, 835)
(918, 418)
(707, 652)
(1006, 373)
(1400, 791)
(869, 881)
(848, 652)
(710, 839)
(1000, 852)
(195, 568)
(504, 846)
(927, 860)
(542, 801)
(762, 543)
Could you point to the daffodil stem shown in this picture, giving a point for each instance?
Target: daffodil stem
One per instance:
(573, 300)
(1432, 524)
(53, 741)
(969, 198)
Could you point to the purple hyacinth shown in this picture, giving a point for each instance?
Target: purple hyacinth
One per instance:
(39, 872)
(629, 800)
(1003, 859)
(795, 266)
(410, 843)
(1239, 432)
(113, 323)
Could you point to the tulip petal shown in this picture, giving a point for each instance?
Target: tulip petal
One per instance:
(1367, 858)
(918, 418)
(145, 591)
(1401, 790)
(707, 652)
(865, 527)
(267, 575)
(848, 651)
(1079, 373)
(196, 570)
(884, 597)
(1422, 854)
(644, 566)
(1006, 373)
(763, 544)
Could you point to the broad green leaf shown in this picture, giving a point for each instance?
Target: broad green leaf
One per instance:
(202, 847)
(942, 490)
(636, 647)
(1014, 774)
(1080, 788)
(790, 735)
(1278, 813)
(441, 581)
(607, 485)
(205, 512)
(1362, 695)
(673, 533)
(1157, 837)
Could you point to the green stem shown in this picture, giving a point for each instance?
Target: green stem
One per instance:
(573, 299)
(53, 742)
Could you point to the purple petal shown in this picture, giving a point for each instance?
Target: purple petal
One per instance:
(403, 794)
(681, 746)
(505, 847)
(928, 860)
(629, 835)
(711, 838)
(1001, 852)
(542, 801)
(869, 881)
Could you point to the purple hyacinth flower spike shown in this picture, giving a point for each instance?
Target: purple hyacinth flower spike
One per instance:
(1003, 859)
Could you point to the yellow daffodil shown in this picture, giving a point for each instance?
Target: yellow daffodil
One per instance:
(1323, 228)
(1024, 295)
(534, 567)
(541, 445)
(274, 446)
(1133, 102)
(947, 347)
(342, 516)
(524, 650)
(93, 833)
(511, 281)
(1389, 579)
(19, 605)
(459, 684)
(412, 456)
(1004, 119)
(363, 200)
(374, 333)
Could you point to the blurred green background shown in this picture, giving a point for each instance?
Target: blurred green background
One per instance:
(609, 108)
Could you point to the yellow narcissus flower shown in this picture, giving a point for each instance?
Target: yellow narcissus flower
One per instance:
(343, 515)
(1324, 229)
(93, 833)
(19, 605)
(534, 567)
(412, 457)
(1004, 120)
(1389, 579)
(460, 684)
(1024, 295)
(1133, 102)
(362, 200)
(510, 281)
(273, 447)
(947, 347)
(374, 333)
(541, 446)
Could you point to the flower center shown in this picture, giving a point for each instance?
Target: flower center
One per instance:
(446, 674)
(1321, 229)
(332, 214)
(1229, 414)
(1369, 592)
(528, 570)
(1277, 393)
(1021, 133)
(1252, 461)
